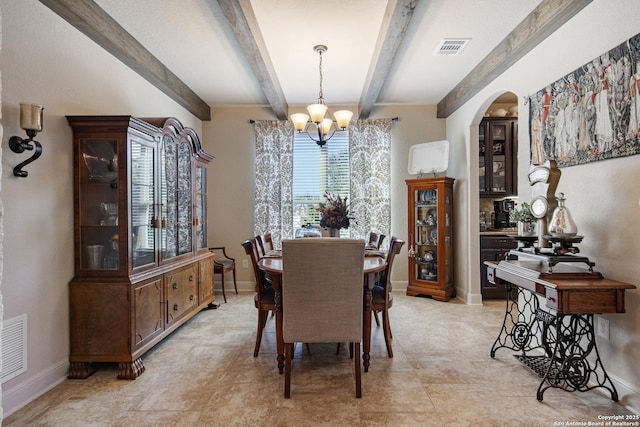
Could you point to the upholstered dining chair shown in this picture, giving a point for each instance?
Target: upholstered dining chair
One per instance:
(375, 240)
(223, 264)
(264, 298)
(322, 293)
(382, 297)
(265, 243)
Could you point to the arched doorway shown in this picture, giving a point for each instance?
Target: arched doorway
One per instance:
(495, 135)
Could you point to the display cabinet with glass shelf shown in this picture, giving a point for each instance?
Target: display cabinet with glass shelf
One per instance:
(497, 149)
(140, 198)
(430, 215)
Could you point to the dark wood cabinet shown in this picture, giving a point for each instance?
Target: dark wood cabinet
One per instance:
(498, 148)
(493, 248)
(430, 214)
(142, 265)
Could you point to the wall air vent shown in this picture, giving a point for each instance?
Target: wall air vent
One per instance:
(14, 347)
(451, 46)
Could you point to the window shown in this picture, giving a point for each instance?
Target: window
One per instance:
(317, 170)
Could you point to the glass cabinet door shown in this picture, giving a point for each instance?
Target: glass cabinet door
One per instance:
(426, 232)
(142, 193)
(98, 200)
(185, 200)
(176, 198)
(200, 214)
(498, 132)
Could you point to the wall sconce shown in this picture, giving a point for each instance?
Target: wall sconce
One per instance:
(31, 122)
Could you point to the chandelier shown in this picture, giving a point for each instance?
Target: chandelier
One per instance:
(325, 127)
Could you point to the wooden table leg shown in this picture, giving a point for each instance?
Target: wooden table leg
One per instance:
(279, 338)
(368, 299)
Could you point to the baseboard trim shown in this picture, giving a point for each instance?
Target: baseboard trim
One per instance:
(33, 387)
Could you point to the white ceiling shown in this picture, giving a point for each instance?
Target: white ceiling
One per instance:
(194, 40)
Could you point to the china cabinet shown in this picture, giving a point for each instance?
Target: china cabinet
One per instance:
(497, 149)
(142, 267)
(430, 213)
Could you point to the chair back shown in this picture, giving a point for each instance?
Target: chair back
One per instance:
(375, 240)
(395, 245)
(322, 290)
(265, 244)
(251, 248)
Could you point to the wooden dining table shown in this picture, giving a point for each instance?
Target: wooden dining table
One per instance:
(374, 263)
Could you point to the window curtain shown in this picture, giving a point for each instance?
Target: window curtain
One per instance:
(370, 163)
(274, 178)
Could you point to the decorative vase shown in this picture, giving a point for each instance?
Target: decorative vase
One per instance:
(526, 228)
(334, 232)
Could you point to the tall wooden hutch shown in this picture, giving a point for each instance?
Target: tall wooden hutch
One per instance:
(142, 266)
(431, 237)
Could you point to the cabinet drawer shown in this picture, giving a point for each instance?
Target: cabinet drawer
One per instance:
(181, 289)
(551, 296)
(497, 242)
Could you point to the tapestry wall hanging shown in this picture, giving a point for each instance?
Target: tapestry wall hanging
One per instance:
(592, 113)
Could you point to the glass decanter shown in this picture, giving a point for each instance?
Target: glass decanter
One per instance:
(562, 223)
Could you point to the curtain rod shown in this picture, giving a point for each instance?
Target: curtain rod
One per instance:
(393, 119)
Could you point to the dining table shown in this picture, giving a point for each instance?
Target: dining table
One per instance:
(374, 264)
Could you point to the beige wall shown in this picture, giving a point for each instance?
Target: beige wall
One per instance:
(229, 136)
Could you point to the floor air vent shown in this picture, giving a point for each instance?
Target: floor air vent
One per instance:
(14, 347)
(451, 46)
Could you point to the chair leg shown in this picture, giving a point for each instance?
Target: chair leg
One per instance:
(288, 350)
(224, 294)
(358, 372)
(387, 332)
(262, 320)
(235, 286)
(375, 316)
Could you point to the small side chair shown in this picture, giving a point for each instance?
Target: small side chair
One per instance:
(223, 264)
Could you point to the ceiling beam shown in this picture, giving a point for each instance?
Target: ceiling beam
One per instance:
(396, 19)
(537, 26)
(100, 27)
(243, 22)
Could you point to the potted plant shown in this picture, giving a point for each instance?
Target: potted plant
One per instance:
(524, 218)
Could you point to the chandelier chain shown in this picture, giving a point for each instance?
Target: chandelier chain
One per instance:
(320, 95)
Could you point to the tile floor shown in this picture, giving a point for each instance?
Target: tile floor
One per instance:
(205, 375)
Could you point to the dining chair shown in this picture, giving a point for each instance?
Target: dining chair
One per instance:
(382, 297)
(222, 264)
(265, 243)
(264, 299)
(375, 240)
(322, 296)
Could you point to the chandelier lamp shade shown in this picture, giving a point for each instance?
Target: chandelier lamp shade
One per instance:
(316, 122)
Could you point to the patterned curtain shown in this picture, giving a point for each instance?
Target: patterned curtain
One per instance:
(370, 160)
(274, 178)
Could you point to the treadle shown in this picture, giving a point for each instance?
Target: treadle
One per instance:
(539, 365)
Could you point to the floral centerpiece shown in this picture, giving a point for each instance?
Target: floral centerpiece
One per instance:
(524, 218)
(335, 212)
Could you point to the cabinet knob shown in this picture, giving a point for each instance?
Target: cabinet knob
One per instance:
(191, 278)
(175, 286)
(175, 307)
(190, 297)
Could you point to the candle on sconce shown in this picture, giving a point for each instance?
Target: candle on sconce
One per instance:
(31, 116)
